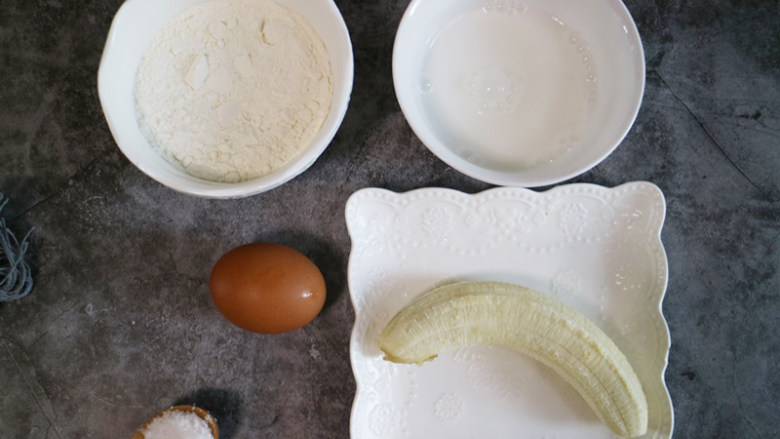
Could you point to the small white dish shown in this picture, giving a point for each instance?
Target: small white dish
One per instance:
(134, 27)
(519, 92)
(597, 249)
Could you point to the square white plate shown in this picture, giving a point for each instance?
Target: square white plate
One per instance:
(595, 248)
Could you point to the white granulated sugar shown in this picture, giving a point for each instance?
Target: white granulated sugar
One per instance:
(177, 424)
(231, 90)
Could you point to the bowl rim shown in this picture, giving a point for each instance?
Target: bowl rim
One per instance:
(509, 178)
(219, 190)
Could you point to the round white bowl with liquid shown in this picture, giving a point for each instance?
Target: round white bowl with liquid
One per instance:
(519, 92)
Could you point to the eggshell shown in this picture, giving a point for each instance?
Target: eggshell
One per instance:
(267, 288)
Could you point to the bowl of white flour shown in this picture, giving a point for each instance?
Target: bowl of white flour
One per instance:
(225, 98)
(519, 92)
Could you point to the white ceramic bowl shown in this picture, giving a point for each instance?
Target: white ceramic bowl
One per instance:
(132, 31)
(519, 92)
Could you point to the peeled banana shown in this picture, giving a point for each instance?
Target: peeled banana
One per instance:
(496, 313)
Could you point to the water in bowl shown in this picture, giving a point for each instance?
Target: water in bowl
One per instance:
(512, 85)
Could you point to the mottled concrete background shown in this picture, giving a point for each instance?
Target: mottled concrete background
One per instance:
(120, 323)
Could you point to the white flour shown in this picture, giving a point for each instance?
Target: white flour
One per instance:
(178, 425)
(233, 89)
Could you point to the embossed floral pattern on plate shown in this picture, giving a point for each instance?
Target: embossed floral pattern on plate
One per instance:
(597, 249)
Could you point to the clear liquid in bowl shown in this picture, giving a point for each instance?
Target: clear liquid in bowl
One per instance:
(511, 85)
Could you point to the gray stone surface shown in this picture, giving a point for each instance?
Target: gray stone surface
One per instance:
(120, 323)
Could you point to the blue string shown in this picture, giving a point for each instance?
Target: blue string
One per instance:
(15, 275)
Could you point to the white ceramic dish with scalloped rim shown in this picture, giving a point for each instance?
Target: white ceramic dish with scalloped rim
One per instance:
(597, 249)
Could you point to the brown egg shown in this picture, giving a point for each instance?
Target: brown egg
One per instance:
(267, 288)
